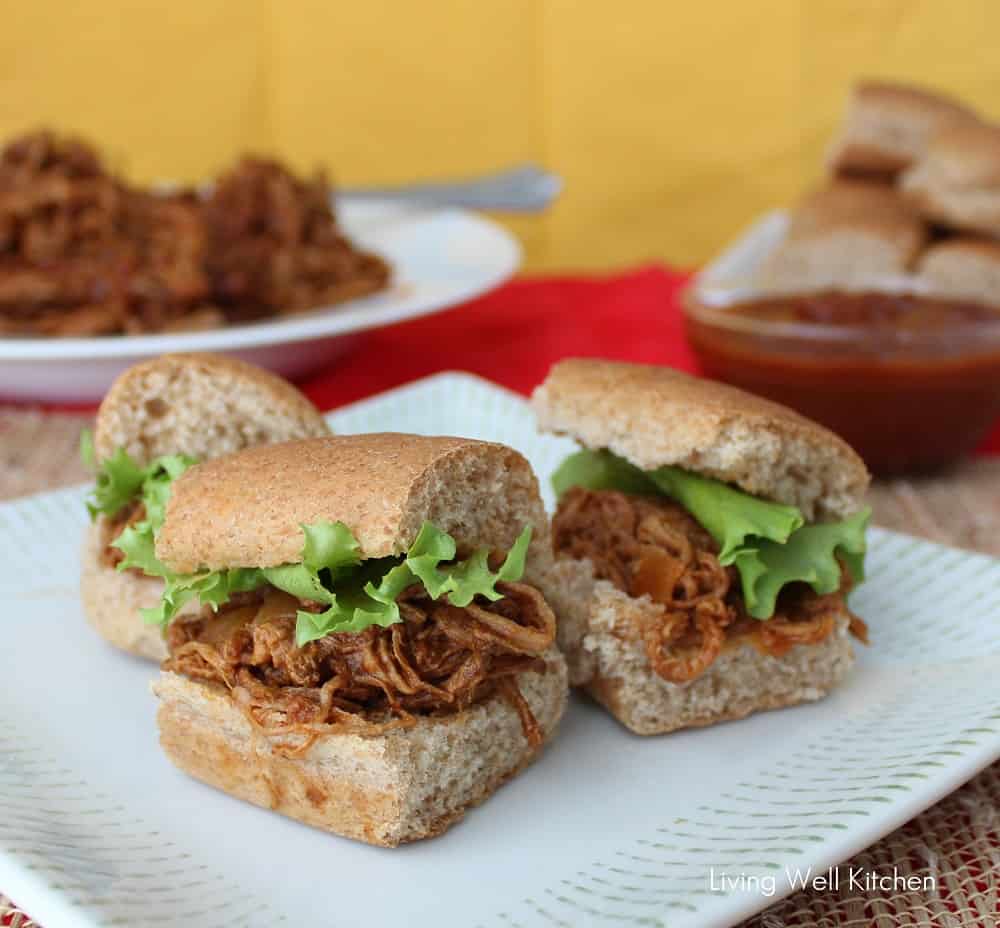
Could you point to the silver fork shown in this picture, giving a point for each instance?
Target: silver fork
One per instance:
(526, 188)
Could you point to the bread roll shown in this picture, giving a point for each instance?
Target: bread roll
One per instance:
(389, 789)
(655, 416)
(966, 268)
(888, 126)
(247, 510)
(957, 182)
(849, 236)
(201, 405)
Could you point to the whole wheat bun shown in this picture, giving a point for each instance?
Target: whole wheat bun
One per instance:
(740, 682)
(112, 599)
(247, 510)
(888, 126)
(966, 268)
(388, 789)
(201, 405)
(655, 416)
(844, 236)
(600, 638)
(957, 182)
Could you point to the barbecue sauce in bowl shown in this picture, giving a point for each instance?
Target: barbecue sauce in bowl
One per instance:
(911, 381)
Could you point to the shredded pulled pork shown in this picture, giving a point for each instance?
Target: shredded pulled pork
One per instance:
(439, 659)
(83, 253)
(651, 546)
(275, 246)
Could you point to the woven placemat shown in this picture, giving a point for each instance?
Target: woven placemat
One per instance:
(957, 842)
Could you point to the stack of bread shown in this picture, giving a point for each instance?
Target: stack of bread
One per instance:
(913, 202)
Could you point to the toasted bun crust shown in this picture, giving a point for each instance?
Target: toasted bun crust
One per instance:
(967, 268)
(957, 182)
(857, 207)
(401, 786)
(655, 416)
(965, 155)
(741, 681)
(888, 126)
(247, 510)
(202, 405)
(112, 600)
(844, 236)
(607, 658)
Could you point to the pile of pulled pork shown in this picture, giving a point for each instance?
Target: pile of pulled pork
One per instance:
(83, 253)
(652, 546)
(439, 659)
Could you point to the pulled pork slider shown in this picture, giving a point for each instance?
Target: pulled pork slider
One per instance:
(158, 418)
(374, 653)
(710, 537)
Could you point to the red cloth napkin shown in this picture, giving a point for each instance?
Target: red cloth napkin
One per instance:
(513, 335)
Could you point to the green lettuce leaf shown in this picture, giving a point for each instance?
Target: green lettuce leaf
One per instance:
(813, 554)
(729, 515)
(329, 552)
(368, 596)
(211, 588)
(119, 481)
(357, 594)
(769, 543)
(601, 470)
(465, 580)
(138, 541)
(138, 545)
(358, 602)
(87, 453)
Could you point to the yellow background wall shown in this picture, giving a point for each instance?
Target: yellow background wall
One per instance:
(673, 122)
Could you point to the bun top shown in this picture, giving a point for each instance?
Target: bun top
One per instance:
(887, 127)
(961, 155)
(856, 206)
(247, 510)
(202, 405)
(655, 416)
(917, 102)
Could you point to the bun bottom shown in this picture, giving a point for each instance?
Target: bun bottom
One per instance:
(112, 599)
(614, 669)
(388, 789)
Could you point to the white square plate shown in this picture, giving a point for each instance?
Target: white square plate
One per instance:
(97, 828)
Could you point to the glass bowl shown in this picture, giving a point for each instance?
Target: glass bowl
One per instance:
(912, 395)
